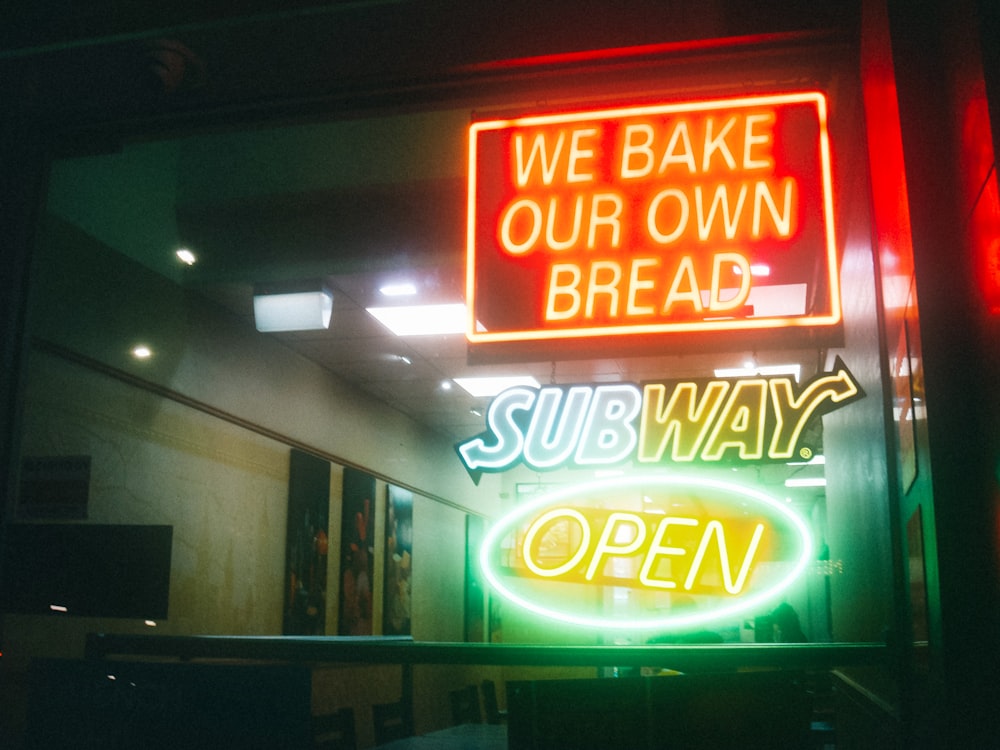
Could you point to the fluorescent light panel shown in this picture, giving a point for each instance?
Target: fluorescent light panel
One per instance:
(489, 386)
(818, 460)
(770, 370)
(806, 482)
(421, 320)
(294, 311)
(399, 289)
(756, 269)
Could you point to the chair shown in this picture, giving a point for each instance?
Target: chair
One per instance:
(390, 722)
(723, 711)
(465, 705)
(745, 710)
(334, 731)
(493, 713)
(583, 714)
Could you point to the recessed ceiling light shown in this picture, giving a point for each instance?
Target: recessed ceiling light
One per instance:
(141, 351)
(445, 385)
(421, 320)
(186, 257)
(489, 386)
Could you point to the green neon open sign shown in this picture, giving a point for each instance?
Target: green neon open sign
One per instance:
(730, 550)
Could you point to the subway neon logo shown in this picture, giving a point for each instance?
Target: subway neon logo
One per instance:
(749, 419)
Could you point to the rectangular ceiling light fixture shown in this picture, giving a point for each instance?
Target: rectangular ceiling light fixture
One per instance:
(421, 320)
(305, 310)
(492, 385)
(766, 371)
(806, 482)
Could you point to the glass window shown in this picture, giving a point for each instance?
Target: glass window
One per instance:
(308, 469)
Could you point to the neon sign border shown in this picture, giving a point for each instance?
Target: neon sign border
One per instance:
(477, 336)
(741, 606)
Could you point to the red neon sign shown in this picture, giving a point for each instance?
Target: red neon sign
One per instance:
(713, 215)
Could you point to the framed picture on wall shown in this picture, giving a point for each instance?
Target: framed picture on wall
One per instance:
(54, 487)
(398, 561)
(357, 568)
(306, 544)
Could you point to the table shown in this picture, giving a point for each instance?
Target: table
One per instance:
(460, 737)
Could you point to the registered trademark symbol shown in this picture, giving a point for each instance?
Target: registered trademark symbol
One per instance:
(805, 453)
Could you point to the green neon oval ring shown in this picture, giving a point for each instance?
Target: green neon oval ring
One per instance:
(741, 606)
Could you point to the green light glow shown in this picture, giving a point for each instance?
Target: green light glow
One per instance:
(796, 534)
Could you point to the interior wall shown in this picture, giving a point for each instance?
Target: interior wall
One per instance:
(438, 571)
(212, 357)
(225, 491)
(219, 475)
(222, 488)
